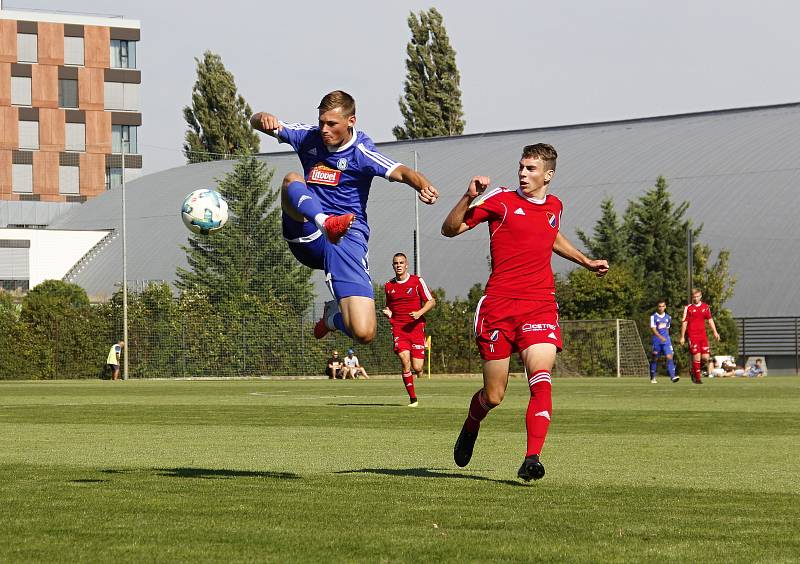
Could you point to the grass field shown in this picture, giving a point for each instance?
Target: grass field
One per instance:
(342, 471)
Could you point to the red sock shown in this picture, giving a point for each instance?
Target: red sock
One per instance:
(478, 408)
(696, 370)
(540, 409)
(408, 380)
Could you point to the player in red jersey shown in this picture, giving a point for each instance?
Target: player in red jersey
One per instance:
(694, 326)
(407, 301)
(518, 312)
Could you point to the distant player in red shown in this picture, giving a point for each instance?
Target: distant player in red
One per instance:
(518, 312)
(407, 301)
(694, 326)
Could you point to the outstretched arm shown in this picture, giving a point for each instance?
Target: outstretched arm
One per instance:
(266, 123)
(427, 193)
(563, 248)
(454, 222)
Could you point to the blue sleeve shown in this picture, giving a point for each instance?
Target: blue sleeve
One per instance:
(372, 162)
(295, 133)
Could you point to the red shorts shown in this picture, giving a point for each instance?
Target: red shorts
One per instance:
(699, 345)
(413, 341)
(507, 325)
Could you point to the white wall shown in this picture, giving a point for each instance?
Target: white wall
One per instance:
(53, 251)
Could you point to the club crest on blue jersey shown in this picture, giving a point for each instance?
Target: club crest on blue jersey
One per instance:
(341, 164)
(551, 219)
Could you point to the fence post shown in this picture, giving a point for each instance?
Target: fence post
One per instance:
(619, 372)
(796, 347)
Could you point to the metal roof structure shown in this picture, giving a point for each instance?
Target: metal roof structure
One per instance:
(739, 169)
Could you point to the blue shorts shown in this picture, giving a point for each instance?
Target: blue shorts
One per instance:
(346, 264)
(662, 349)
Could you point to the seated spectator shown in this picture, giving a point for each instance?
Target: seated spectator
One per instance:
(729, 368)
(335, 367)
(352, 368)
(756, 370)
(714, 369)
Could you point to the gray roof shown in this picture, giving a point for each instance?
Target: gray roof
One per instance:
(740, 169)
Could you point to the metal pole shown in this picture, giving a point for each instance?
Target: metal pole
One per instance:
(417, 255)
(689, 260)
(124, 271)
(619, 371)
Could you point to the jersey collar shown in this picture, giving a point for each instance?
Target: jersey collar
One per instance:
(408, 277)
(536, 201)
(345, 146)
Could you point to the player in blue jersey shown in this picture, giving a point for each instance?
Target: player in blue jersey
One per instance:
(325, 209)
(662, 344)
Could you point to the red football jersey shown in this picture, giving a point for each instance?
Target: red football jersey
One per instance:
(522, 231)
(403, 297)
(695, 317)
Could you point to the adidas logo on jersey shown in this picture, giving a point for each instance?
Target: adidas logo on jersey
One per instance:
(313, 151)
(552, 336)
(519, 211)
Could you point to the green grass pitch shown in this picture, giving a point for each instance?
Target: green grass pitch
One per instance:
(342, 471)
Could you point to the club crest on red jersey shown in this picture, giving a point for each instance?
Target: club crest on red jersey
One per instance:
(324, 175)
(551, 219)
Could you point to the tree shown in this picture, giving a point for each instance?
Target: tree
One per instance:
(582, 295)
(248, 256)
(609, 240)
(431, 104)
(656, 233)
(219, 117)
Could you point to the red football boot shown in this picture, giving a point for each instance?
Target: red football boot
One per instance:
(337, 225)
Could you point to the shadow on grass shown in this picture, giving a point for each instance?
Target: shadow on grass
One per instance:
(368, 404)
(87, 481)
(212, 473)
(427, 473)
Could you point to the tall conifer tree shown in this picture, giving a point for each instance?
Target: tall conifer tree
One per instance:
(219, 117)
(431, 103)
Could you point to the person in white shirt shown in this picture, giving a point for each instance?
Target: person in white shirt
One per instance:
(352, 368)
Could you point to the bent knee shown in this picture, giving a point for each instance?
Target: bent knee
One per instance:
(292, 177)
(495, 397)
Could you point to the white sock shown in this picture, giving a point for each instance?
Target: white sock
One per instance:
(319, 219)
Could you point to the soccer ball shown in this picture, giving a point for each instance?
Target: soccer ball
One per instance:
(204, 211)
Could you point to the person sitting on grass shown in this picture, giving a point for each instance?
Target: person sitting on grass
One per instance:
(756, 370)
(352, 368)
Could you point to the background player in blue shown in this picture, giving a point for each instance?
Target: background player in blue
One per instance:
(325, 209)
(660, 323)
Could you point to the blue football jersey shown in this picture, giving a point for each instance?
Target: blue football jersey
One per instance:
(341, 179)
(661, 324)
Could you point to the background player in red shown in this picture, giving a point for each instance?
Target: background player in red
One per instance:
(694, 326)
(518, 312)
(407, 301)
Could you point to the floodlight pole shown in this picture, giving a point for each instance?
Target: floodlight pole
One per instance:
(124, 271)
(417, 255)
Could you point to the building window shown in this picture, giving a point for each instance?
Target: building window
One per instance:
(113, 178)
(121, 96)
(29, 135)
(126, 134)
(27, 48)
(22, 178)
(75, 137)
(13, 285)
(67, 93)
(73, 50)
(21, 90)
(68, 180)
(123, 54)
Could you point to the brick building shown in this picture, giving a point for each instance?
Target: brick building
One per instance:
(69, 103)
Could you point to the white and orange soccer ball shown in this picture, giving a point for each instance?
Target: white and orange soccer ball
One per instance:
(204, 211)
